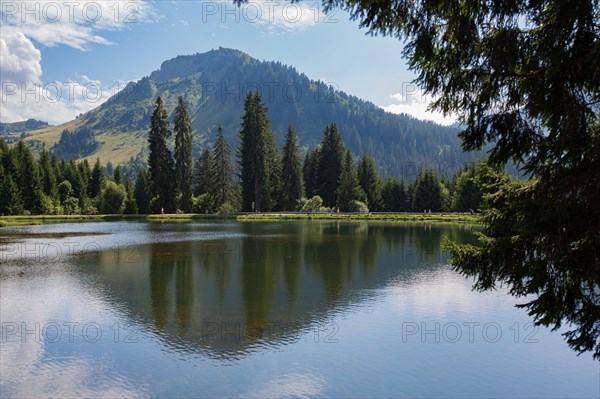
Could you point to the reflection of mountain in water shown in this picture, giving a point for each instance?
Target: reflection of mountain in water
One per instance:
(276, 281)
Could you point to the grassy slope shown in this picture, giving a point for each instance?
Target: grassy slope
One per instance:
(116, 148)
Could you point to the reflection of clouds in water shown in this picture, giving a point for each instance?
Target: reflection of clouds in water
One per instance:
(438, 292)
(289, 385)
(27, 368)
(73, 378)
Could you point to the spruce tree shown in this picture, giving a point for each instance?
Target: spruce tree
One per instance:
(183, 155)
(427, 192)
(468, 194)
(202, 173)
(310, 172)
(160, 161)
(142, 192)
(49, 183)
(10, 197)
(292, 181)
(370, 182)
(96, 180)
(393, 195)
(221, 171)
(255, 155)
(117, 174)
(348, 189)
(330, 164)
(29, 180)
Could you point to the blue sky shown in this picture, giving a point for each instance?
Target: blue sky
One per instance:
(77, 54)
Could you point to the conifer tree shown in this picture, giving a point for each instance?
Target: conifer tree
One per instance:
(96, 180)
(370, 182)
(292, 181)
(29, 180)
(221, 171)
(183, 155)
(142, 193)
(117, 174)
(255, 155)
(348, 189)
(427, 192)
(330, 163)
(160, 161)
(49, 183)
(310, 172)
(468, 194)
(202, 173)
(10, 197)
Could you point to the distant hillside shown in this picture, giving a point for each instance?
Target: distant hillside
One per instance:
(19, 127)
(215, 83)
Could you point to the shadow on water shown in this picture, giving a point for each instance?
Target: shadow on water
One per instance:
(267, 284)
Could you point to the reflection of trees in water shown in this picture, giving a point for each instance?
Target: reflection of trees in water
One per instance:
(277, 276)
(161, 274)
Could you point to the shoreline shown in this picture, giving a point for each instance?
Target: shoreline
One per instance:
(398, 217)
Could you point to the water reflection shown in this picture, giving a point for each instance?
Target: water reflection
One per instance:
(266, 285)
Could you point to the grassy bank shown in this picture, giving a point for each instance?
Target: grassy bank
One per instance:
(383, 217)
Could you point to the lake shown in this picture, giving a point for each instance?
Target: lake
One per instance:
(264, 309)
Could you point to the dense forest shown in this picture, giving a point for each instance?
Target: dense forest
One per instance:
(263, 178)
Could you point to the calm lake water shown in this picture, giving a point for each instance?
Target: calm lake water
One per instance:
(231, 309)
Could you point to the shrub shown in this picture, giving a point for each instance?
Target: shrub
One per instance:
(202, 204)
(358, 206)
(112, 198)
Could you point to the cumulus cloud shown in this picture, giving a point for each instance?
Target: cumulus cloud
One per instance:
(75, 24)
(53, 102)
(79, 25)
(20, 60)
(414, 102)
(273, 17)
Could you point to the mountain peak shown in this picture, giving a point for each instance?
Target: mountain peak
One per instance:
(185, 65)
(214, 85)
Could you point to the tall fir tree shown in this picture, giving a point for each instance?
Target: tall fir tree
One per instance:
(468, 194)
(11, 202)
(255, 155)
(292, 180)
(142, 192)
(221, 171)
(202, 173)
(160, 161)
(427, 192)
(370, 182)
(49, 183)
(117, 175)
(29, 180)
(348, 189)
(330, 164)
(310, 172)
(183, 155)
(96, 180)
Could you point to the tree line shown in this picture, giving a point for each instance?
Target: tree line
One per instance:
(262, 179)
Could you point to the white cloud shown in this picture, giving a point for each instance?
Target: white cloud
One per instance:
(412, 101)
(75, 24)
(79, 25)
(274, 17)
(19, 59)
(53, 102)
